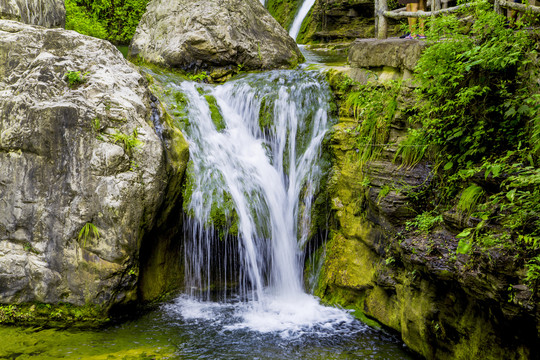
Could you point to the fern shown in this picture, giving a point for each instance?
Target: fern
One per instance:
(88, 230)
(374, 107)
(469, 199)
(412, 150)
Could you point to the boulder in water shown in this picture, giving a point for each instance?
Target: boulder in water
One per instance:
(48, 13)
(78, 153)
(213, 35)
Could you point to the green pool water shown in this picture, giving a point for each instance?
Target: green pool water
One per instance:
(181, 331)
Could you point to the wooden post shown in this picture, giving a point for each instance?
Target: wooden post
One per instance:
(382, 25)
(497, 7)
(376, 16)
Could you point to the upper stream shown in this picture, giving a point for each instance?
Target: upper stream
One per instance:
(255, 167)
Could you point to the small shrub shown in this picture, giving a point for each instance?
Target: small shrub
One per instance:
(75, 78)
(198, 77)
(129, 142)
(424, 222)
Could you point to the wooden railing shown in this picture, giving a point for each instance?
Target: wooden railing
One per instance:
(437, 7)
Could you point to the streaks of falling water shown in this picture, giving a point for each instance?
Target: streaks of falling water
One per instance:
(299, 19)
(254, 145)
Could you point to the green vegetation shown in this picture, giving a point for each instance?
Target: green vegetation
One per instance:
(374, 107)
(478, 114)
(113, 20)
(424, 222)
(475, 122)
(200, 77)
(222, 217)
(215, 113)
(129, 142)
(78, 18)
(53, 315)
(89, 230)
(75, 78)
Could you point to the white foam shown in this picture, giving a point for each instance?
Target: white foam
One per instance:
(289, 317)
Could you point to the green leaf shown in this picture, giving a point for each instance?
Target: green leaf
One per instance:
(511, 195)
(496, 169)
(448, 166)
(464, 246)
(465, 233)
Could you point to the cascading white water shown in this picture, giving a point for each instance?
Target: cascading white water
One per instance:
(260, 167)
(254, 169)
(300, 16)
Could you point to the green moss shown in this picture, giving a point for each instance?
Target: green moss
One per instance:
(41, 314)
(266, 114)
(215, 113)
(352, 300)
(223, 216)
(125, 342)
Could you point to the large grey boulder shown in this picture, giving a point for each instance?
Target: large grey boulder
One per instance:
(48, 13)
(208, 34)
(66, 160)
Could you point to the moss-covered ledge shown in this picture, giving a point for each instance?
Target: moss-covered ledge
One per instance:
(53, 315)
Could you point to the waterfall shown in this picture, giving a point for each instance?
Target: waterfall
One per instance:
(300, 16)
(254, 169)
(258, 165)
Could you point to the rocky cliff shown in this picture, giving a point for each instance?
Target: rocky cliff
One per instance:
(217, 37)
(402, 270)
(331, 20)
(48, 13)
(85, 166)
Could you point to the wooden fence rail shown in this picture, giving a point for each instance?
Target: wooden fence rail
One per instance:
(382, 13)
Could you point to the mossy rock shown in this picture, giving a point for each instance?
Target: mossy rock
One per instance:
(54, 315)
(215, 113)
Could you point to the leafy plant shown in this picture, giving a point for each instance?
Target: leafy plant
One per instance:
(385, 190)
(89, 230)
(412, 150)
(374, 107)
(75, 78)
(470, 105)
(113, 20)
(469, 199)
(129, 142)
(478, 122)
(424, 222)
(202, 76)
(81, 20)
(96, 125)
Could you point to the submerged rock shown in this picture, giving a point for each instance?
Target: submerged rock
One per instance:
(48, 13)
(198, 35)
(78, 153)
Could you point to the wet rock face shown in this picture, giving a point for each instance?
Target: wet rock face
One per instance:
(47, 13)
(71, 156)
(205, 34)
(444, 304)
